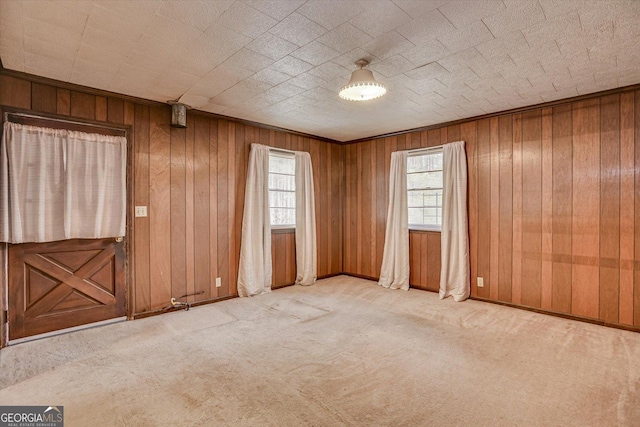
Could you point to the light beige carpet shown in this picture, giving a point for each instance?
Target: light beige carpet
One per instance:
(342, 352)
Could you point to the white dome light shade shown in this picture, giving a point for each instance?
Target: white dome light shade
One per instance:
(362, 86)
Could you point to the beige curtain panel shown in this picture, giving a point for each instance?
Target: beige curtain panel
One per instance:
(454, 273)
(394, 273)
(254, 273)
(306, 241)
(58, 184)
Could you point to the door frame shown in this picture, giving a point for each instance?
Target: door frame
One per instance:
(77, 124)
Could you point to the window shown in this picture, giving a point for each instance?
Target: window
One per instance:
(282, 189)
(424, 190)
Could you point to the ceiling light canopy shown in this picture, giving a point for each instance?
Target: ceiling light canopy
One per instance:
(362, 86)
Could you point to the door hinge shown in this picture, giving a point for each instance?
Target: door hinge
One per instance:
(5, 317)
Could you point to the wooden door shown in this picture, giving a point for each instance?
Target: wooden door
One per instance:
(63, 284)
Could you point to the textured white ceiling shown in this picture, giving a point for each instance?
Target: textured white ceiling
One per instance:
(282, 62)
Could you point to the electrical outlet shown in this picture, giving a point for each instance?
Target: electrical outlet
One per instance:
(480, 282)
(141, 211)
(218, 282)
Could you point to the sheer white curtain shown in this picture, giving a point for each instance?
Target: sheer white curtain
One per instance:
(454, 274)
(395, 259)
(306, 248)
(59, 184)
(254, 274)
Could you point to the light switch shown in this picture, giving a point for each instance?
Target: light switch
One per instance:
(141, 211)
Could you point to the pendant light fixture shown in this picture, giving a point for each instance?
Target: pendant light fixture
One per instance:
(362, 86)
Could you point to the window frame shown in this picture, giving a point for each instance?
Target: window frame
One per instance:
(286, 155)
(416, 153)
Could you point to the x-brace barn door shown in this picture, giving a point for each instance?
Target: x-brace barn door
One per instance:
(63, 284)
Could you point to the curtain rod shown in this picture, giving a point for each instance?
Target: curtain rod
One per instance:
(426, 149)
(72, 122)
(283, 150)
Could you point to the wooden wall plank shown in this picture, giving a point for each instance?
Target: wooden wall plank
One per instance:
(115, 110)
(433, 137)
(190, 234)
(230, 287)
(83, 105)
(562, 209)
(609, 208)
(516, 268)
(101, 108)
(204, 196)
(505, 226)
(414, 259)
(44, 98)
(338, 201)
(627, 207)
(329, 206)
(141, 249)
(355, 266)
(223, 208)
(215, 141)
(424, 139)
(586, 207)
(129, 248)
(159, 205)
(347, 240)
(63, 101)
(425, 251)
(274, 260)
(178, 213)
(444, 135)
(547, 209)
(468, 134)
(402, 142)
(290, 261)
(365, 212)
(494, 245)
(453, 133)
(484, 204)
(281, 250)
(415, 140)
(433, 263)
(531, 208)
(373, 271)
(15, 92)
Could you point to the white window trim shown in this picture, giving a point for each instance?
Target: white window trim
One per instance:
(421, 152)
(286, 154)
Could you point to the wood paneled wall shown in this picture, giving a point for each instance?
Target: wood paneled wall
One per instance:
(283, 250)
(554, 196)
(367, 167)
(424, 261)
(192, 181)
